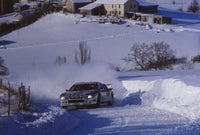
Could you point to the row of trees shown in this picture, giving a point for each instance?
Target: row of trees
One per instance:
(6, 6)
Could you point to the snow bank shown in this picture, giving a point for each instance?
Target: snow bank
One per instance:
(170, 94)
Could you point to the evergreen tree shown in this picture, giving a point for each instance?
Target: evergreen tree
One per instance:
(194, 7)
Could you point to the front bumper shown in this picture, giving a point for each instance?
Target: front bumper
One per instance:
(78, 102)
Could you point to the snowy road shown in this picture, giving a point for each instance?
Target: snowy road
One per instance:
(128, 120)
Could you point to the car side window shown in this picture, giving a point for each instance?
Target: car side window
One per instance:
(101, 87)
(104, 87)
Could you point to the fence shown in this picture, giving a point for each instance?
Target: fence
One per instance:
(15, 98)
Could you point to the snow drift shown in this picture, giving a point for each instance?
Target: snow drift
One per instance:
(169, 94)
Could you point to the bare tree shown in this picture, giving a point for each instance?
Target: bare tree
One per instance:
(3, 69)
(141, 55)
(60, 60)
(156, 56)
(163, 56)
(83, 55)
(193, 7)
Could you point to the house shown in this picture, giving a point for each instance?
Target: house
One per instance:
(119, 7)
(20, 6)
(33, 5)
(74, 5)
(62, 2)
(20, 16)
(24, 1)
(151, 18)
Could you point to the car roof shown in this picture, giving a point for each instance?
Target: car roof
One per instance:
(79, 83)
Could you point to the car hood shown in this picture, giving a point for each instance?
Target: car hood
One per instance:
(79, 94)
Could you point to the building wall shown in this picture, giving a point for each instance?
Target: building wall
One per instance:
(121, 9)
(131, 6)
(74, 7)
(114, 9)
(70, 6)
(24, 1)
(96, 11)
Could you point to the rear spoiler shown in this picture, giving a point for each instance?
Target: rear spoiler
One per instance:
(109, 86)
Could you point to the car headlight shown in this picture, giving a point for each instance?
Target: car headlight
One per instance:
(62, 98)
(89, 96)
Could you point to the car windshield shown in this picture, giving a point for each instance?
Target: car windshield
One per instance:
(80, 87)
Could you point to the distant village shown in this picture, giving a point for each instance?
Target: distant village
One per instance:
(134, 9)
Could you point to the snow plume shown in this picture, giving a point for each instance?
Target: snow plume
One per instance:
(46, 119)
(53, 81)
(171, 94)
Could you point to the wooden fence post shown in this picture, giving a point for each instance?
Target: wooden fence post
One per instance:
(28, 96)
(1, 85)
(23, 98)
(8, 98)
(19, 99)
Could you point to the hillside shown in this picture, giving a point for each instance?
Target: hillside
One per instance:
(149, 102)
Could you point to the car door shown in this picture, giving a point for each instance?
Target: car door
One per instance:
(106, 93)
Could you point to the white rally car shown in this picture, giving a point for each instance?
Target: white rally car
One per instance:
(87, 94)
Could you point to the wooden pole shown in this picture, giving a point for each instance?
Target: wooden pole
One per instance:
(8, 98)
(1, 83)
(28, 96)
(19, 99)
(2, 6)
(23, 98)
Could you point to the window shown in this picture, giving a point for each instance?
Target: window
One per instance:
(112, 6)
(119, 12)
(119, 6)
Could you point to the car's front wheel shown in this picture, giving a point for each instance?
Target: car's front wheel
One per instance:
(98, 101)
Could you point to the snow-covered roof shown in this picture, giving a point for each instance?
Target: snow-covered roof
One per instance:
(19, 5)
(111, 1)
(33, 3)
(145, 4)
(81, 1)
(23, 14)
(90, 6)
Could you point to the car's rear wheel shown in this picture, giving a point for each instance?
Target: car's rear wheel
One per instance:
(64, 107)
(111, 102)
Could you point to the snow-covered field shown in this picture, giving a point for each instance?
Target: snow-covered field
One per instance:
(161, 102)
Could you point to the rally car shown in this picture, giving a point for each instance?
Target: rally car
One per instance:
(87, 94)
